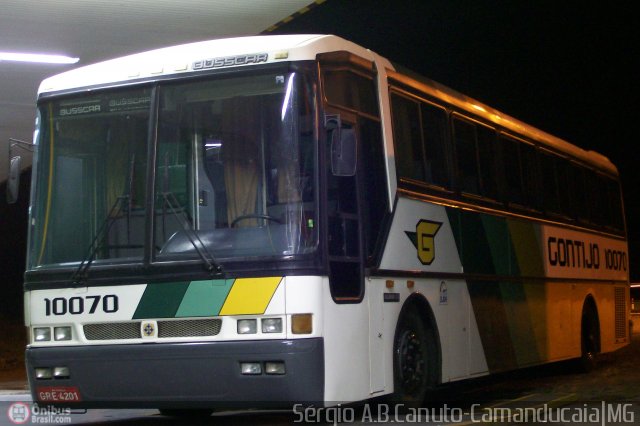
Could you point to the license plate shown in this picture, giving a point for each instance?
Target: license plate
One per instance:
(58, 394)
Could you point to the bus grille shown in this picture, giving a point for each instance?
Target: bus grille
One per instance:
(189, 328)
(112, 331)
(620, 313)
(166, 329)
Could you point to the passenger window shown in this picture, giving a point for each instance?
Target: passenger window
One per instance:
(348, 89)
(487, 154)
(562, 174)
(513, 172)
(577, 193)
(434, 133)
(467, 159)
(551, 199)
(529, 166)
(407, 138)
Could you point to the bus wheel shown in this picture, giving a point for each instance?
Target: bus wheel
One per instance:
(590, 339)
(411, 361)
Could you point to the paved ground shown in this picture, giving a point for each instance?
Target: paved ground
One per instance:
(609, 395)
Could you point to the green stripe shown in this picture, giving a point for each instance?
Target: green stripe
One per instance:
(161, 300)
(526, 243)
(204, 298)
(497, 234)
(504, 310)
(492, 320)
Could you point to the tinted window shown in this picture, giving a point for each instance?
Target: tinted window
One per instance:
(577, 192)
(529, 166)
(407, 138)
(375, 182)
(512, 170)
(351, 90)
(434, 133)
(488, 159)
(551, 200)
(467, 159)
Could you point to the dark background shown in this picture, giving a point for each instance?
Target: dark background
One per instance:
(566, 67)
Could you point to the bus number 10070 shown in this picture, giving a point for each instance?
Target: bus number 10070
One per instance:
(79, 305)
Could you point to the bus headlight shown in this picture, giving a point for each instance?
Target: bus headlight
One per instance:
(42, 334)
(247, 326)
(250, 368)
(43, 373)
(271, 325)
(61, 372)
(274, 367)
(62, 333)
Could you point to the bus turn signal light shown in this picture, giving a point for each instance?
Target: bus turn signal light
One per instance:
(301, 324)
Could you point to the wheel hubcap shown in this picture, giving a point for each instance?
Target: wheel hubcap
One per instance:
(411, 361)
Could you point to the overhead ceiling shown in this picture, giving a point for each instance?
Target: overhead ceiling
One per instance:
(94, 30)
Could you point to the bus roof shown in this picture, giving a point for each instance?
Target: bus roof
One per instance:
(243, 51)
(200, 55)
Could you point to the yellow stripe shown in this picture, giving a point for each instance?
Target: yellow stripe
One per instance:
(48, 208)
(250, 296)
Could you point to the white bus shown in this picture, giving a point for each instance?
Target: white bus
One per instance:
(283, 219)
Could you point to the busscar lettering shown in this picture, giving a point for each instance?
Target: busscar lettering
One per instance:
(87, 109)
(229, 61)
(568, 253)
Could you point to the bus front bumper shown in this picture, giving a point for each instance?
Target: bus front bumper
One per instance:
(180, 375)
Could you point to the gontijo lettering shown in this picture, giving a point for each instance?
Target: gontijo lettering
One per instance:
(571, 253)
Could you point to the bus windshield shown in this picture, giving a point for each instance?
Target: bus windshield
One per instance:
(233, 175)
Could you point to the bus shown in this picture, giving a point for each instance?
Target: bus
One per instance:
(295, 219)
(634, 292)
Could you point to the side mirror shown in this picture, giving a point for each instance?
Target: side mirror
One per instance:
(13, 181)
(344, 152)
(15, 163)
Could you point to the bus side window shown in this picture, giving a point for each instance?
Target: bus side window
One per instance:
(434, 134)
(529, 167)
(562, 172)
(513, 172)
(467, 156)
(407, 138)
(577, 191)
(487, 156)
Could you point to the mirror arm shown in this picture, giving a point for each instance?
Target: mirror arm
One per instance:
(28, 146)
(22, 144)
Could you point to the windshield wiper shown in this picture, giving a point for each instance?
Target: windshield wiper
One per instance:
(209, 262)
(81, 274)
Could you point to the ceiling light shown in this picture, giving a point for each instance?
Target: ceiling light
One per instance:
(39, 58)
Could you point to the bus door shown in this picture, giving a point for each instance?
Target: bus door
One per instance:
(344, 230)
(356, 199)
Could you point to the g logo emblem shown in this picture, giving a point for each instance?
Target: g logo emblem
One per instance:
(424, 240)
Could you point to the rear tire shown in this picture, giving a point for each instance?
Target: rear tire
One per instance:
(589, 338)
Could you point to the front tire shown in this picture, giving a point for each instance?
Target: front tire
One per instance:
(411, 362)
